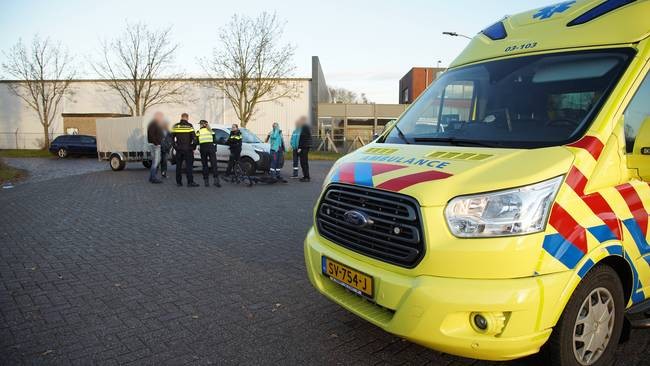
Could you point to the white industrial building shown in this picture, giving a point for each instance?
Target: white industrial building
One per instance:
(20, 127)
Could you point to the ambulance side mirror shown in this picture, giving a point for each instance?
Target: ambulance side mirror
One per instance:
(640, 157)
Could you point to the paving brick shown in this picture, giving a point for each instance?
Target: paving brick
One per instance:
(103, 268)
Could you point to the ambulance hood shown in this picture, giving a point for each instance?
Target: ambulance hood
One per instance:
(436, 174)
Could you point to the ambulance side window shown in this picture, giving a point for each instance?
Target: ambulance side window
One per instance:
(637, 111)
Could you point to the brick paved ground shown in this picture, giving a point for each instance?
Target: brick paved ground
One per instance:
(94, 270)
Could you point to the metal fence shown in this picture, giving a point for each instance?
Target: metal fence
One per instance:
(24, 140)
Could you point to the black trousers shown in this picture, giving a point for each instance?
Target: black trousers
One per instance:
(209, 154)
(185, 157)
(163, 162)
(304, 162)
(234, 156)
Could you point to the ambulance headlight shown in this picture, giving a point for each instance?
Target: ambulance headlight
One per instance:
(517, 211)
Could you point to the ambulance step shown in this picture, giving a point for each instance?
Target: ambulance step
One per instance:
(641, 324)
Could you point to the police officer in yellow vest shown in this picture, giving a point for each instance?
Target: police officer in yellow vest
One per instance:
(208, 148)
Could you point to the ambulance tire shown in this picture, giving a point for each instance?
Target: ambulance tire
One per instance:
(600, 281)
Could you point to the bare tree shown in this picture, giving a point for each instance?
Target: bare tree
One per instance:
(252, 64)
(138, 65)
(43, 71)
(342, 95)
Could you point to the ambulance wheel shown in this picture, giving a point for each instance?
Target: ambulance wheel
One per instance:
(116, 162)
(590, 327)
(146, 163)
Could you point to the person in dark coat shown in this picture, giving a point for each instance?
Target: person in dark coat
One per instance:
(235, 142)
(184, 143)
(304, 144)
(165, 148)
(154, 138)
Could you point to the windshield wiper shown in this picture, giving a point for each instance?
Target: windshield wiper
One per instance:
(456, 141)
(401, 135)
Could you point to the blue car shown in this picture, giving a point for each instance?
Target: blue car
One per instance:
(66, 145)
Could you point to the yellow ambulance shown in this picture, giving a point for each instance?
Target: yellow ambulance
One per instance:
(507, 208)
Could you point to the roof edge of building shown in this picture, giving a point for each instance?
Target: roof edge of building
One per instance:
(8, 81)
(95, 115)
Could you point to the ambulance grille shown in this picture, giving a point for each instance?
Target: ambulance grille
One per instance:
(394, 234)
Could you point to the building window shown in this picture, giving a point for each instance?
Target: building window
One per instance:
(405, 95)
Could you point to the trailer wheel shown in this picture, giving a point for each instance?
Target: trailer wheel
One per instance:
(146, 163)
(116, 162)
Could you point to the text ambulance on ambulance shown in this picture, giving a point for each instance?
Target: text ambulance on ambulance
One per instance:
(508, 207)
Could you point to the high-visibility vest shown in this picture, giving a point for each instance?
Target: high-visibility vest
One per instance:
(179, 128)
(205, 135)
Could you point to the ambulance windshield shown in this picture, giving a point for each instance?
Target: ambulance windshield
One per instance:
(522, 102)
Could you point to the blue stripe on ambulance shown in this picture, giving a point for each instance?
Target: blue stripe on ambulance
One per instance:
(563, 250)
(585, 268)
(602, 233)
(363, 174)
(615, 250)
(640, 240)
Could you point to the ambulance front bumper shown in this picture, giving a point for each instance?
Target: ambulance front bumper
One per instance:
(438, 312)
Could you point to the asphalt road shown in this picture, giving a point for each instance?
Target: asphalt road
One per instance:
(105, 268)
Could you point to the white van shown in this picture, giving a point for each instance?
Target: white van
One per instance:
(255, 154)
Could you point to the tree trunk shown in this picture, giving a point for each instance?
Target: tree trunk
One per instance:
(244, 122)
(46, 136)
(245, 115)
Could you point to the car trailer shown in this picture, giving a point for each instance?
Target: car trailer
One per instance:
(122, 140)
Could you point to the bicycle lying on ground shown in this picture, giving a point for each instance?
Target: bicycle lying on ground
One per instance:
(239, 176)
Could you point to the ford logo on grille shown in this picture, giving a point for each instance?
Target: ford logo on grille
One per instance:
(357, 218)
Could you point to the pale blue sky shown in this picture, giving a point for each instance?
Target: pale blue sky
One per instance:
(365, 46)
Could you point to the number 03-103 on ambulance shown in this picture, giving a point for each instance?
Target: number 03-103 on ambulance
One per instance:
(507, 208)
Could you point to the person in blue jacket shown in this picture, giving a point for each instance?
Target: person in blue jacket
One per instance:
(295, 139)
(274, 138)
